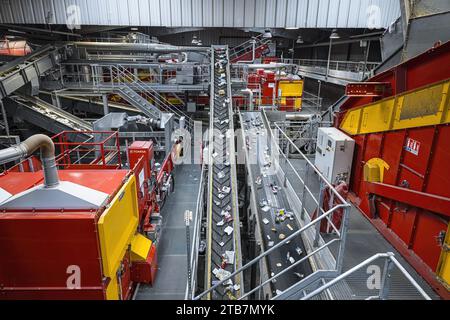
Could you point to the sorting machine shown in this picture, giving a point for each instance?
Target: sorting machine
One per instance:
(78, 223)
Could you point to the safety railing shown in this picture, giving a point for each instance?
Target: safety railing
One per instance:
(303, 133)
(311, 216)
(101, 150)
(121, 77)
(248, 46)
(311, 100)
(350, 66)
(196, 236)
(381, 281)
(76, 74)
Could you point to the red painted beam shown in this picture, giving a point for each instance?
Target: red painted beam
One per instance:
(427, 201)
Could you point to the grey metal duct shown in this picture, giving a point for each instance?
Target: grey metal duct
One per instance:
(30, 145)
(135, 47)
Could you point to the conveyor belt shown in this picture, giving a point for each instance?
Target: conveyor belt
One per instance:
(270, 227)
(29, 68)
(57, 119)
(222, 174)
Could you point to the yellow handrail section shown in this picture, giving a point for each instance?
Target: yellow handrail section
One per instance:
(421, 107)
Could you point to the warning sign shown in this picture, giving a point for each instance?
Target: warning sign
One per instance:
(412, 146)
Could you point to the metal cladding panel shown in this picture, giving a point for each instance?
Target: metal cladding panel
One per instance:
(186, 16)
(439, 170)
(207, 10)
(155, 18)
(134, 11)
(249, 20)
(166, 14)
(260, 16)
(271, 7)
(280, 16)
(239, 14)
(198, 13)
(38, 250)
(311, 20)
(217, 13)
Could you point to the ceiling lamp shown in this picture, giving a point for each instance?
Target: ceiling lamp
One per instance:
(194, 39)
(299, 40)
(334, 34)
(134, 29)
(267, 34)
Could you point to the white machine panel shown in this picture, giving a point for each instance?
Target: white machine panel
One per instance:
(334, 154)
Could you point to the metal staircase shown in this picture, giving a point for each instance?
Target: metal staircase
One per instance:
(139, 94)
(250, 50)
(136, 100)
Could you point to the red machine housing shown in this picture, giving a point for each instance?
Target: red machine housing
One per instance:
(36, 246)
(414, 222)
(140, 156)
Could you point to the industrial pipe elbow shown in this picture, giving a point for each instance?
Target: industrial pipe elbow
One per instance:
(27, 148)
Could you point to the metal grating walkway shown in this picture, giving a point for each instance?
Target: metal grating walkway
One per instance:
(171, 278)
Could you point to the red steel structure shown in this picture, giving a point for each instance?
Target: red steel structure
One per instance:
(411, 207)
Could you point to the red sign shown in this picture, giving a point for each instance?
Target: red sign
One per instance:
(412, 146)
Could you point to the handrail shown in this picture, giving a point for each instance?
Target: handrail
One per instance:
(320, 216)
(389, 256)
(196, 234)
(343, 65)
(267, 252)
(243, 47)
(328, 184)
(149, 93)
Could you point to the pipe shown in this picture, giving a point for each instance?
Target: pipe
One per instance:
(250, 97)
(27, 148)
(135, 47)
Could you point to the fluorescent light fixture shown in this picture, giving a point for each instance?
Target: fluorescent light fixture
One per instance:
(134, 29)
(292, 28)
(334, 34)
(267, 34)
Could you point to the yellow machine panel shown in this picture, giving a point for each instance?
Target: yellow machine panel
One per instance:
(374, 170)
(418, 108)
(117, 226)
(112, 291)
(293, 89)
(140, 247)
(443, 268)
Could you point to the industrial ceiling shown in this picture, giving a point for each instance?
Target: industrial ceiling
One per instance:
(204, 13)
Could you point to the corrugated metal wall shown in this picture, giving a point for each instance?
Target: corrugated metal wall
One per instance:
(206, 13)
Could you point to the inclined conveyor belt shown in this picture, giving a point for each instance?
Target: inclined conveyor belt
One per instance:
(223, 238)
(54, 119)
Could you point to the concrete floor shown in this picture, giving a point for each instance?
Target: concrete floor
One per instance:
(171, 278)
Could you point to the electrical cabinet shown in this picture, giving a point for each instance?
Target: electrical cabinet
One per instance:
(334, 154)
